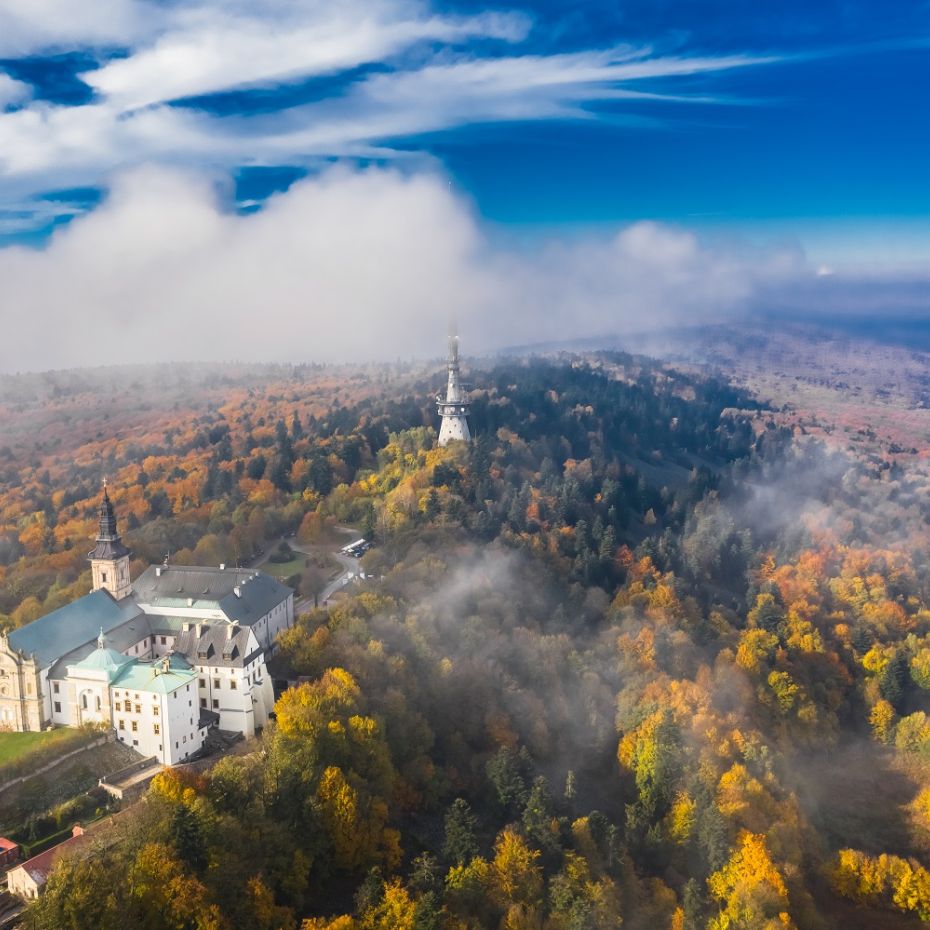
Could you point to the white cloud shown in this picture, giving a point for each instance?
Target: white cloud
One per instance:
(45, 145)
(35, 26)
(435, 78)
(350, 265)
(12, 92)
(214, 49)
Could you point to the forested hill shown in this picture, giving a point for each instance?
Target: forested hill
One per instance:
(634, 656)
(207, 469)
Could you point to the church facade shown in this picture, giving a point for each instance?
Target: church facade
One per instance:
(159, 660)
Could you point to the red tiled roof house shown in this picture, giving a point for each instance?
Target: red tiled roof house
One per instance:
(29, 878)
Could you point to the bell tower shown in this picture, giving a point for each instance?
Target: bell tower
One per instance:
(454, 408)
(109, 560)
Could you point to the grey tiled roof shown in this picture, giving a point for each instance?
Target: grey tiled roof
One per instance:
(119, 638)
(211, 589)
(76, 624)
(219, 644)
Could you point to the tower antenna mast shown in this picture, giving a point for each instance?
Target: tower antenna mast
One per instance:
(454, 407)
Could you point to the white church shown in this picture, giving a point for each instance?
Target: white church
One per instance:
(160, 660)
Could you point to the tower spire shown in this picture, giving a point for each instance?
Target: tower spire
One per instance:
(109, 559)
(454, 407)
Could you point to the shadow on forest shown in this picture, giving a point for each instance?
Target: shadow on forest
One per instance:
(855, 796)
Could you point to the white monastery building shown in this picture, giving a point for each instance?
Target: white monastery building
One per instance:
(159, 660)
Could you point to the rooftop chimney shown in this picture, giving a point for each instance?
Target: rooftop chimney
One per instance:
(222, 566)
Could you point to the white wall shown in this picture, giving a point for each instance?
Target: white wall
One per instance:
(176, 715)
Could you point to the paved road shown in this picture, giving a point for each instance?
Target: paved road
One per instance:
(349, 565)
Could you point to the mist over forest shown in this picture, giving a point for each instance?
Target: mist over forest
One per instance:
(651, 650)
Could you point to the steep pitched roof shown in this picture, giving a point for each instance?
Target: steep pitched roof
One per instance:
(219, 644)
(120, 638)
(109, 545)
(71, 626)
(205, 589)
(39, 867)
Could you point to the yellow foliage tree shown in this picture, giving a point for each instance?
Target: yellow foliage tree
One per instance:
(882, 720)
(173, 899)
(882, 881)
(756, 648)
(750, 889)
(325, 923)
(516, 876)
(680, 819)
(396, 910)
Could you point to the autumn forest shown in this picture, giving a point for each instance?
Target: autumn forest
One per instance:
(648, 652)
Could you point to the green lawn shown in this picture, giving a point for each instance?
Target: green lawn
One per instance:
(283, 569)
(15, 746)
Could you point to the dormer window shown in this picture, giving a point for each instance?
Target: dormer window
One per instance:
(103, 577)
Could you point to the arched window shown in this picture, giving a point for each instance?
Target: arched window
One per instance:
(84, 701)
(98, 702)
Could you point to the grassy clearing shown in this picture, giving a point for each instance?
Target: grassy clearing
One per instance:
(284, 569)
(73, 777)
(16, 747)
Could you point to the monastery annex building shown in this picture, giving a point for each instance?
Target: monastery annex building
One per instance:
(160, 659)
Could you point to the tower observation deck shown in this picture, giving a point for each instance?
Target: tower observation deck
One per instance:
(453, 408)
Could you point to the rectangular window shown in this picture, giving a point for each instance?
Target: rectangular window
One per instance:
(118, 705)
(55, 687)
(216, 703)
(156, 729)
(232, 684)
(203, 682)
(135, 742)
(57, 707)
(103, 577)
(138, 708)
(216, 682)
(135, 727)
(122, 724)
(155, 710)
(203, 702)
(164, 640)
(188, 688)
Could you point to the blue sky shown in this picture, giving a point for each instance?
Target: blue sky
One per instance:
(773, 120)
(351, 173)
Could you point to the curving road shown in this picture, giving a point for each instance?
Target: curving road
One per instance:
(350, 566)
